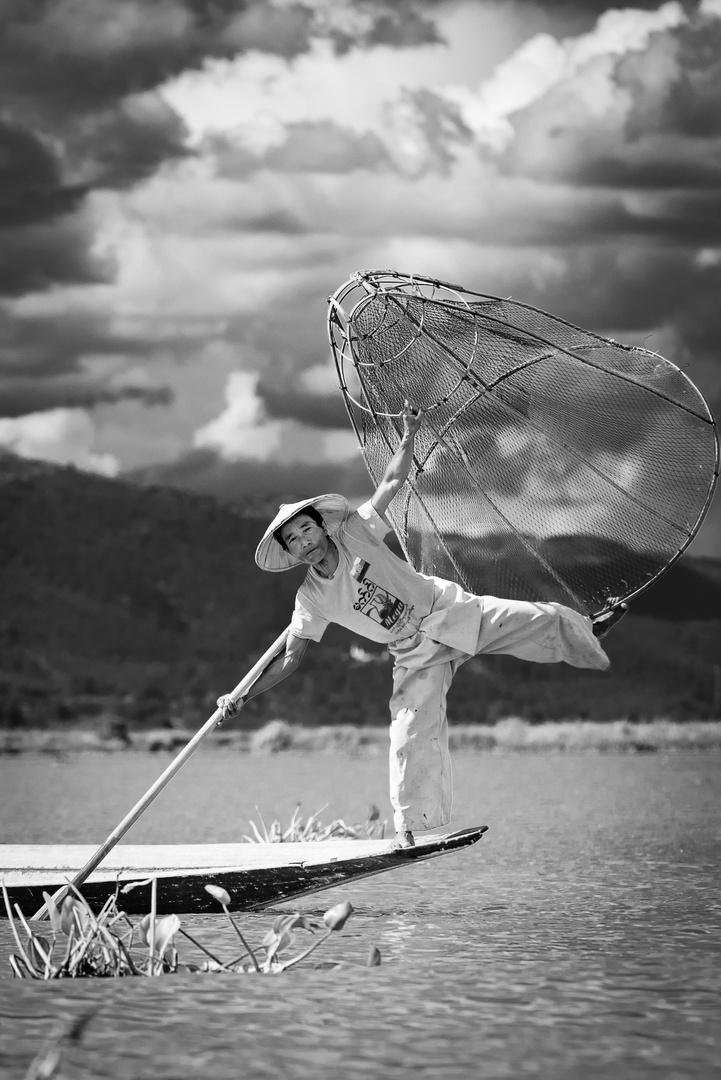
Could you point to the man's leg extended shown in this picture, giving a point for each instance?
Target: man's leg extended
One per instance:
(544, 633)
(421, 788)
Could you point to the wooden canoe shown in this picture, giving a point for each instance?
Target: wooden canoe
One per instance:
(255, 875)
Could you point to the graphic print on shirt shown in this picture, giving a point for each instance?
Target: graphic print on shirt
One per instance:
(377, 603)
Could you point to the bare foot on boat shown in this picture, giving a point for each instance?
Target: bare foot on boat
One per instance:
(405, 839)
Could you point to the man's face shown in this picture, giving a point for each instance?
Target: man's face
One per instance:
(305, 539)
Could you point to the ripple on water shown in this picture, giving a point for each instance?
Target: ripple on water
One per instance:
(581, 937)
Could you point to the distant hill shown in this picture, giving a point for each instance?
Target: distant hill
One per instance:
(145, 603)
(691, 589)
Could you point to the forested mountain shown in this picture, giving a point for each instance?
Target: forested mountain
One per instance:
(145, 603)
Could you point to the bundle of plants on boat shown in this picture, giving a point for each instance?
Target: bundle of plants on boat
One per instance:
(302, 831)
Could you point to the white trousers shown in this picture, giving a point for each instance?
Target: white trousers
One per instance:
(421, 788)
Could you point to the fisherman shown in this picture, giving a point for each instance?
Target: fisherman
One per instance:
(429, 625)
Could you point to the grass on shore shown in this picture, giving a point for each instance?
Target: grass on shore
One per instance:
(510, 734)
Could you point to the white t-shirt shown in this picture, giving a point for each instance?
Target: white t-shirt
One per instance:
(373, 592)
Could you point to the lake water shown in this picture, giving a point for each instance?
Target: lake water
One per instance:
(580, 938)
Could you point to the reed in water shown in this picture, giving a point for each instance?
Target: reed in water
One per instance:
(82, 944)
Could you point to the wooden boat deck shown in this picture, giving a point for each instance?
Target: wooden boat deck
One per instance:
(255, 875)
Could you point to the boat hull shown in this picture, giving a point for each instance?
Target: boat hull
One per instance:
(255, 875)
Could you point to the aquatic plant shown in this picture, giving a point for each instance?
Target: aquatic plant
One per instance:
(300, 831)
(109, 945)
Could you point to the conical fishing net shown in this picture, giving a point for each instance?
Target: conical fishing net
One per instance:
(553, 464)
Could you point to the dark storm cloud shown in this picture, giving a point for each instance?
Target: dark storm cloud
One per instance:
(53, 344)
(207, 473)
(31, 187)
(19, 397)
(699, 326)
(45, 237)
(625, 288)
(120, 146)
(693, 218)
(292, 337)
(291, 403)
(654, 167)
(394, 23)
(440, 125)
(566, 17)
(86, 53)
(274, 221)
(47, 363)
(402, 24)
(666, 300)
(72, 74)
(575, 11)
(47, 253)
(597, 7)
(689, 103)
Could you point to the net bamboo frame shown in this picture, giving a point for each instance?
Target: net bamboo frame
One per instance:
(552, 464)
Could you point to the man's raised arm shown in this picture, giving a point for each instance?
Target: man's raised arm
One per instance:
(400, 464)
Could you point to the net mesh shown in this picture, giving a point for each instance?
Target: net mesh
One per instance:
(553, 464)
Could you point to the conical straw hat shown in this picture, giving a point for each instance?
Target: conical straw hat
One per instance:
(269, 554)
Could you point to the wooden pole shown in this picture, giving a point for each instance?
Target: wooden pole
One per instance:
(132, 816)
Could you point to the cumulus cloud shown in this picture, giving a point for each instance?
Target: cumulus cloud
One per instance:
(64, 436)
(544, 63)
(246, 430)
(241, 430)
(81, 107)
(638, 110)
(320, 147)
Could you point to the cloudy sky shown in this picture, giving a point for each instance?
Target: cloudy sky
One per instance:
(183, 183)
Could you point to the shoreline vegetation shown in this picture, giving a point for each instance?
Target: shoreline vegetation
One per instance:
(507, 735)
